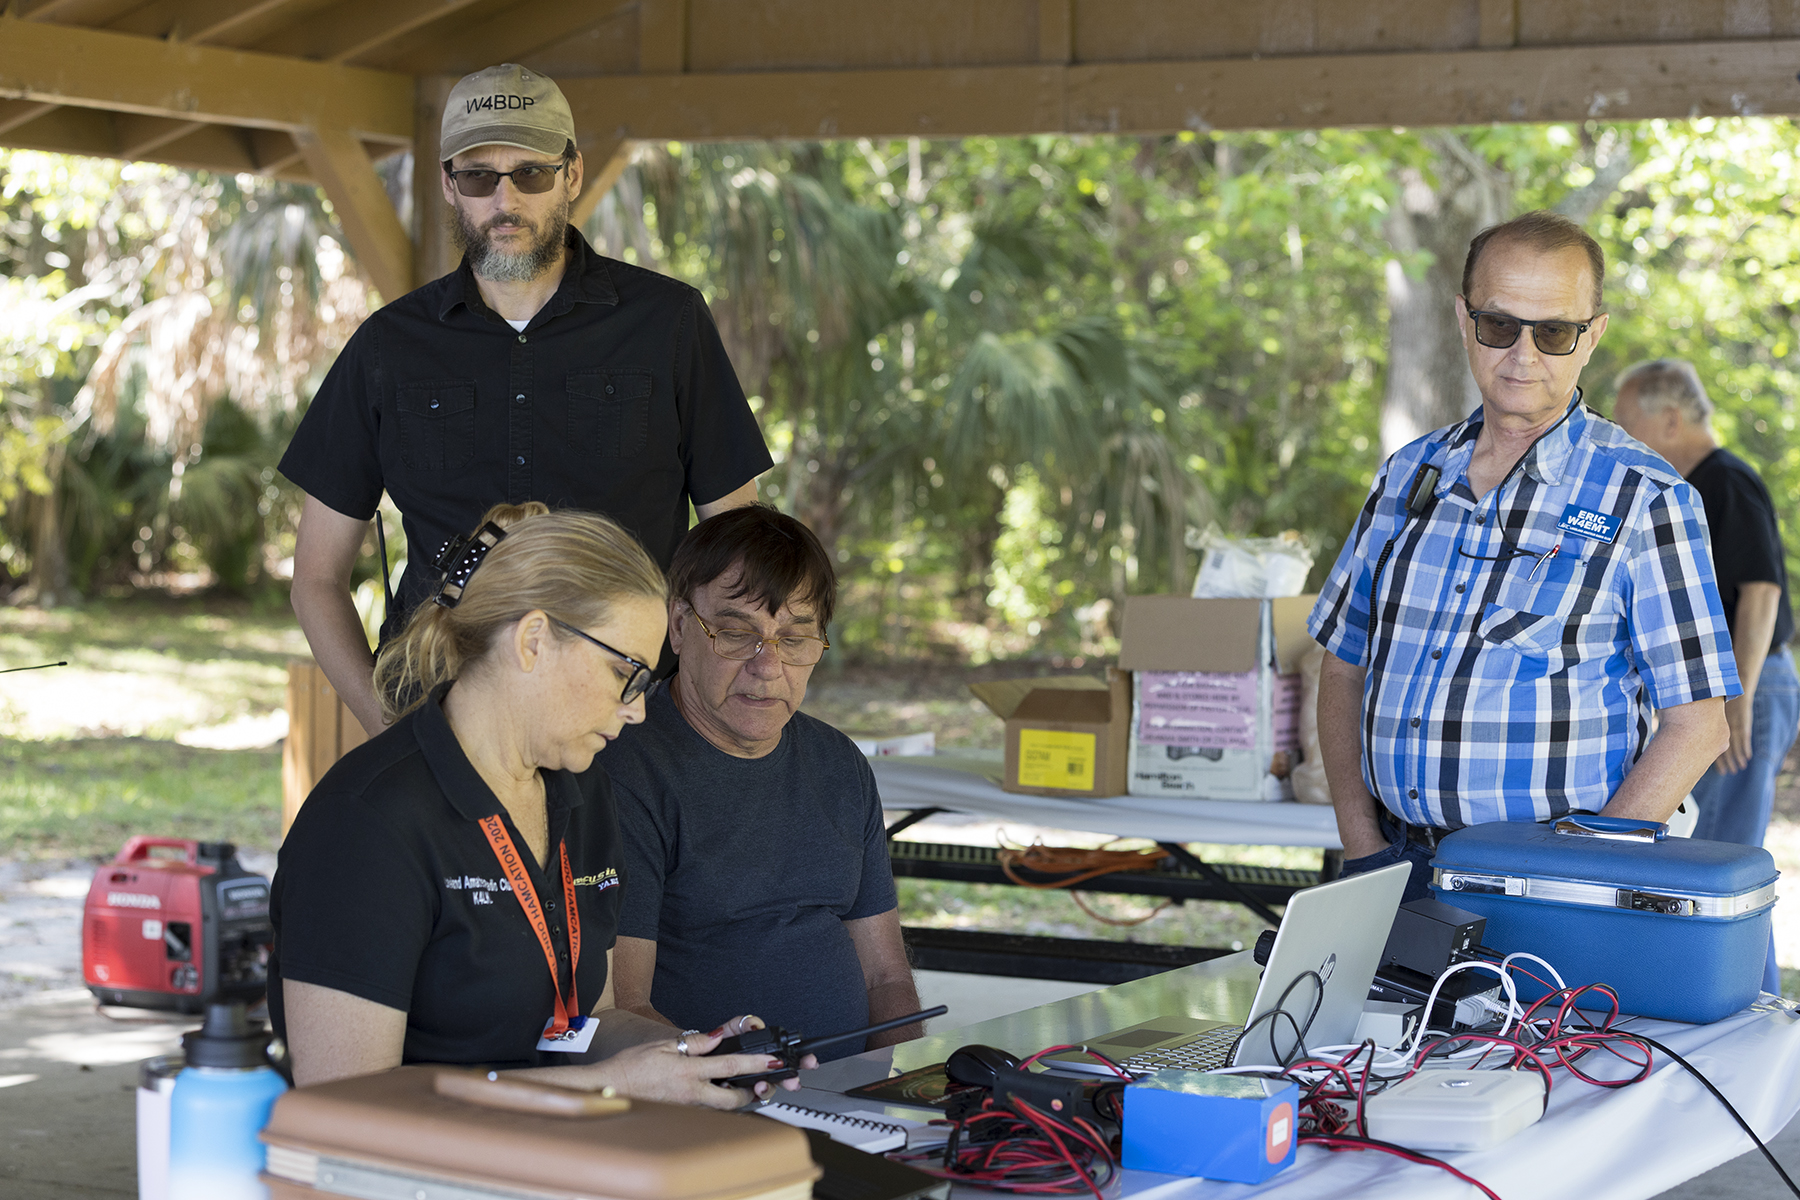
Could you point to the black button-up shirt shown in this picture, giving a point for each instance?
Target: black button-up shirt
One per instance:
(617, 398)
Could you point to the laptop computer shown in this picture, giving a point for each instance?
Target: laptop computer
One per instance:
(1336, 930)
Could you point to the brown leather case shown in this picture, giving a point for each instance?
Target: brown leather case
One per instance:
(398, 1121)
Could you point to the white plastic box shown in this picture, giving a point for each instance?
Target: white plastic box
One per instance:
(1456, 1110)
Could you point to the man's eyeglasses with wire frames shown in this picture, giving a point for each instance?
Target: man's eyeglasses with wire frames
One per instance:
(741, 645)
(641, 672)
(1497, 331)
(480, 182)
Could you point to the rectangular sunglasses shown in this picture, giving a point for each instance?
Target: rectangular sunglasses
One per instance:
(479, 182)
(1497, 331)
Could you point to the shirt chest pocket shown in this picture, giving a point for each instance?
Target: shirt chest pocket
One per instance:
(1559, 616)
(609, 411)
(437, 424)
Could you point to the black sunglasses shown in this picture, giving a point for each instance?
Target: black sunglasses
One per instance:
(641, 672)
(477, 182)
(1497, 331)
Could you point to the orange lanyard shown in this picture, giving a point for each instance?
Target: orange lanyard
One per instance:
(513, 867)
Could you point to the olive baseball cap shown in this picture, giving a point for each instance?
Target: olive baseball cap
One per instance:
(506, 105)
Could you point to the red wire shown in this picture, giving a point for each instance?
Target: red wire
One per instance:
(1336, 1142)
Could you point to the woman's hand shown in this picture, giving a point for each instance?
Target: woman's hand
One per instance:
(660, 1071)
(743, 1024)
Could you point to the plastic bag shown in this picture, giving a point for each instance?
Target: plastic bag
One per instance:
(1238, 568)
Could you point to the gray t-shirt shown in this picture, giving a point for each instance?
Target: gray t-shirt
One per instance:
(744, 870)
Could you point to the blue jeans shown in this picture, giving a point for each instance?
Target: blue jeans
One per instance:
(1735, 808)
(1400, 850)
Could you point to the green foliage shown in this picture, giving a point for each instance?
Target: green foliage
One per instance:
(86, 797)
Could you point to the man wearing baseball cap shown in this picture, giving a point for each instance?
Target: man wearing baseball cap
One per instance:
(537, 370)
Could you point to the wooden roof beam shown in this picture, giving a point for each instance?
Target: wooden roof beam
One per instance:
(341, 164)
(1616, 83)
(95, 69)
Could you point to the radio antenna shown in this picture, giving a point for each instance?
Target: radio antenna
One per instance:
(39, 667)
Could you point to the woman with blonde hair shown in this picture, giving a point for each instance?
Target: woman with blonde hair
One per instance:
(450, 890)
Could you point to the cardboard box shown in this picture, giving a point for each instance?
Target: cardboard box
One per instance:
(1215, 695)
(1065, 735)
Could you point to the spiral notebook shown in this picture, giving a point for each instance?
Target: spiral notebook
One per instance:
(867, 1131)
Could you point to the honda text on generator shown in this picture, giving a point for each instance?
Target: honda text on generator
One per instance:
(175, 924)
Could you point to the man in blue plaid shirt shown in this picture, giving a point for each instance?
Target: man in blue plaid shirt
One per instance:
(1520, 591)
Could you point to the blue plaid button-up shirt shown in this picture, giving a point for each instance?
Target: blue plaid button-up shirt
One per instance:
(1520, 641)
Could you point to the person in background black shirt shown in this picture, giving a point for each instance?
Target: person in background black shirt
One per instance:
(538, 370)
(1664, 405)
(401, 902)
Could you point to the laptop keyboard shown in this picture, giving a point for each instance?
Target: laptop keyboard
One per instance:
(1207, 1052)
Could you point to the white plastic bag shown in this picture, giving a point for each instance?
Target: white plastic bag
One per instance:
(1234, 568)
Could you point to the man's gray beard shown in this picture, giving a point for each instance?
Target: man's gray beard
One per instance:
(500, 266)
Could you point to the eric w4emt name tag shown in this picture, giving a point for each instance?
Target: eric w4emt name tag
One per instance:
(1586, 523)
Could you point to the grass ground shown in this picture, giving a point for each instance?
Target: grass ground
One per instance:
(88, 757)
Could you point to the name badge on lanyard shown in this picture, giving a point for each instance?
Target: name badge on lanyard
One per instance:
(1586, 523)
(569, 1031)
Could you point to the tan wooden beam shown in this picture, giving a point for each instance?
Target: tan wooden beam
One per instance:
(1295, 92)
(662, 37)
(605, 160)
(207, 148)
(482, 38)
(1056, 31)
(337, 159)
(774, 105)
(434, 254)
(62, 130)
(95, 69)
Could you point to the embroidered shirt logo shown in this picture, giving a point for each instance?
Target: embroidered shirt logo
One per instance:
(605, 879)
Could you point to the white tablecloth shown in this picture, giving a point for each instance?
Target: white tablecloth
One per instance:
(967, 784)
(1593, 1144)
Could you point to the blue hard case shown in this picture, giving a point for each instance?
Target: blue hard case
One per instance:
(1679, 928)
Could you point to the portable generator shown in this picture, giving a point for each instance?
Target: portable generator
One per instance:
(176, 924)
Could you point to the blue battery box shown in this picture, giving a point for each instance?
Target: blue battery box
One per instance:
(1679, 928)
(1231, 1127)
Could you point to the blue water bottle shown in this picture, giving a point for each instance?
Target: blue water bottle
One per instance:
(221, 1102)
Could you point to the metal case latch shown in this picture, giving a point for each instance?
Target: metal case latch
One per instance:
(1675, 906)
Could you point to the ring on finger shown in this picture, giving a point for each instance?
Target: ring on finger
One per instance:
(681, 1045)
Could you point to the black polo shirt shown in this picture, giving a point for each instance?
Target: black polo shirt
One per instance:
(616, 398)
(388, 889)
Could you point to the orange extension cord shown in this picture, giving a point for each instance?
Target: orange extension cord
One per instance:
(1079, 866)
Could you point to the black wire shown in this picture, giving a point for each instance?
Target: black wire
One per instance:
(1720, 1097)
(1280, 1010)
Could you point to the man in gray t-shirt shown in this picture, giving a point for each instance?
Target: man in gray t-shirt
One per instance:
(756, 865)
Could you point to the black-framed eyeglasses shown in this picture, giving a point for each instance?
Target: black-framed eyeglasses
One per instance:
(478, 182)
(641, 672)
(1498, 331)
(741, 645)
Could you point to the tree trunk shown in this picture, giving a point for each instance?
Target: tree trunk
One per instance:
(1428, 381)
(48, 584)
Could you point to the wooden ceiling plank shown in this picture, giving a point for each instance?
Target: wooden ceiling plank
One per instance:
(220, 148)
(1056, 31)
(66, 131)
(506, 35)
(353, 29)
(662, 37)
(199, 21)
(336, 158)
(14, 113)
(96, 69)
(139, 135)
(275, 151)
(74, 12)
(1499, 24)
